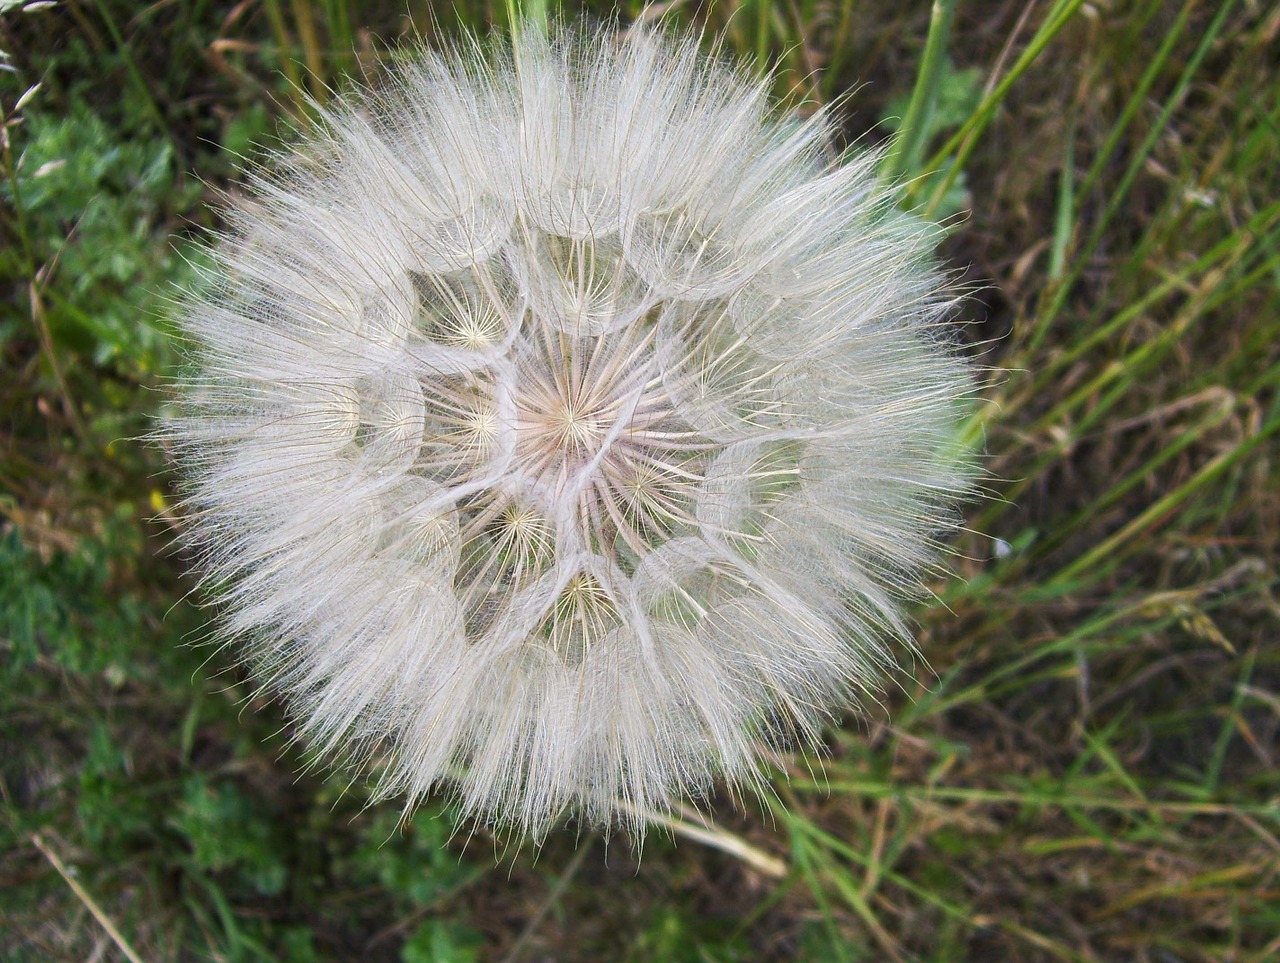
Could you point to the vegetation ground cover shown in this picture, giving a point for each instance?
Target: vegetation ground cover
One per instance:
(1080, 765)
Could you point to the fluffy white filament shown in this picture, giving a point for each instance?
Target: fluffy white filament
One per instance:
(566, 426)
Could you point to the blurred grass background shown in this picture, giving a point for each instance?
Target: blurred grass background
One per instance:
(1081, 766)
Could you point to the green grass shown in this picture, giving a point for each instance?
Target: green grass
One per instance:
(1081, 765)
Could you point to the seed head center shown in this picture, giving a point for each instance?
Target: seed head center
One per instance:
(561, 432)
(579, 428)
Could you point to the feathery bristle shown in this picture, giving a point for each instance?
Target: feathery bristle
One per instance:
(567, 427)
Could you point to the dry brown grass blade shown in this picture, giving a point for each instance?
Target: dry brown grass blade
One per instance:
(89, 902)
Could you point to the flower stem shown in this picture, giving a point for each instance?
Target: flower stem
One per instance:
(709, 834)
(533, 13)
(905, 154)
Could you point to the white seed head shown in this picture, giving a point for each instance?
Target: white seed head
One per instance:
(567, 427)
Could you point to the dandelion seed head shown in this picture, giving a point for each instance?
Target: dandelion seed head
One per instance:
(566, 427)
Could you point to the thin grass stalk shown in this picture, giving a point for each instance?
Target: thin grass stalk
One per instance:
(839, 45)
(1126, 369)
(1218, 758)
(1064, 218)
(1168, 452)
(962, 143)
(763, 9)
(1150, 808)
(89, 903)
(342, 44)
(284, 41)
(535, 13)
(1116, 379)
(1105, 154)
(1117, 196)
(16, 206)
(304, 16)
(904, 155)
(149, 103)
(1217, 258)
(802, 859)
(804, 832)
(861, 906)
(1108, 554)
